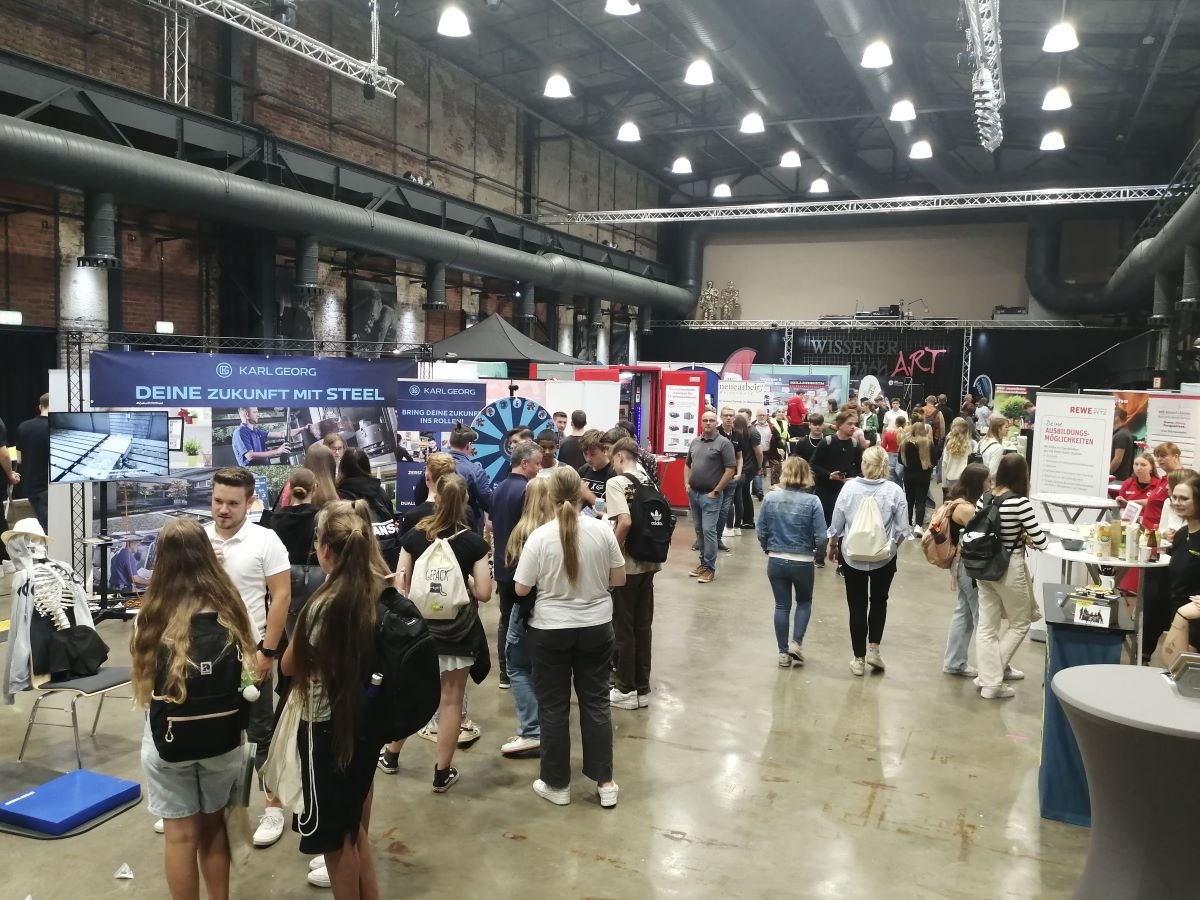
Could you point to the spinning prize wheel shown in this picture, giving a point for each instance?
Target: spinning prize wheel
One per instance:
(497, 421)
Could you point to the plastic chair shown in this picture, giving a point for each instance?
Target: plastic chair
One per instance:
(102, 683)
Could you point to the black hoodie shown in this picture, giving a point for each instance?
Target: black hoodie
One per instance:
(360, 487)
(296, 527)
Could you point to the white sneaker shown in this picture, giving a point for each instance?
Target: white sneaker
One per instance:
(785, 661)
(917, 531)
(317, 862)
(965, 672)
(319, 877)
(557, 796)
(608, 795)
(468, 733)
(796, 652)
(270, 827)
(737, 532)
(643, 701)
(159, 828)
(622, 701)
(874, 660)
(1003, 692)
(520, 746)
(728, 532)
(857, 666)
(1011, 674)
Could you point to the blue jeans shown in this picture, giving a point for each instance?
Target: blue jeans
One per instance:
(520, 677)
(788, 576)
(962, 623)
(757, 486)
(727, 503)
(706, 518)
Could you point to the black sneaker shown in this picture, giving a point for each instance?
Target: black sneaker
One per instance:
(505, 684)
(389, 763)
(443, 779)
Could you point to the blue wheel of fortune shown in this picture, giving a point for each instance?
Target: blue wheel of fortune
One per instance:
(495, 425)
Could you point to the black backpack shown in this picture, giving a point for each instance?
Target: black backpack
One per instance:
(651, 522)
(211, 719)
(407, 658)
(387, 532)
(980, 547)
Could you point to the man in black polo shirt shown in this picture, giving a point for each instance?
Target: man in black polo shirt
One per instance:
(1123, 447)
(708, 471)
(739, 449)
(596, 469)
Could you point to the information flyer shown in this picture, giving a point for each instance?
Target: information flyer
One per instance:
(1072, 444)
(1174, 418)
(680, 424)
(739, 394)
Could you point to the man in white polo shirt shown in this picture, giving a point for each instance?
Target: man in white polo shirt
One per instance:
(257, 563)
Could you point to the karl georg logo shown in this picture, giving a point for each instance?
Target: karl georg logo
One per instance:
(224, 370)
(414, 390)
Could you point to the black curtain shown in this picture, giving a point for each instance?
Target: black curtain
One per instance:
(29, 354)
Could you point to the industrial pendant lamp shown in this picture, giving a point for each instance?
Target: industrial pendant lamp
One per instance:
(1060, 39)
(629, 133)
(819, 186)
(903, 111)
(453, 23)
(920, 150)
(722, 191)
(790, 160)
(557, 87)
(1053, 140)
(1056, 98)
(877, 56)
(621, 8)
(752, 123)
(682, 166)
(699, 74)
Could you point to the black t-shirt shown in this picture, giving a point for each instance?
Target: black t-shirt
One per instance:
(749, 459)
(569, 453)
(1123, 440)
(33, 442)
(410, 519)
(596, 479)
(739, 444)
(464, 635)
(3, 478)
(806, 447)
(468, 547)
(1184, 570)
(834, 455)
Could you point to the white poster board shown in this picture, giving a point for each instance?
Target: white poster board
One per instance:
(1175, 418)
(601, 400)
(1072, 444)
(681, 420)
(738, 394)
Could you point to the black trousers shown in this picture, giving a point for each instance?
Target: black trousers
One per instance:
(916, 491)
(867, 597)
(828, 492)
(633, 620)
(582, 656)
(508, 599)
(1157, 611)
(38, 500)
(4, 517)
(746, 496)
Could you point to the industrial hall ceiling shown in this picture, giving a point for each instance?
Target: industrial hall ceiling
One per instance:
(1132, 85)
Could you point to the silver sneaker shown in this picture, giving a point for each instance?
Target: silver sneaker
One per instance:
(857, 666)
(874, 660)
(796, 652)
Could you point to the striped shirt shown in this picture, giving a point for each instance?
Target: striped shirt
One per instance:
(1017, 521)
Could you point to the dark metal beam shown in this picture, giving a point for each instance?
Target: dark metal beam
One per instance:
(1180, 6)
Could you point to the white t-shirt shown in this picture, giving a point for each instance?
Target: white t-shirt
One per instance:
(890, 417)
(559, 603)
(249, 558)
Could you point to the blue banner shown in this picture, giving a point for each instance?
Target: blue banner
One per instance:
(438, 405)
(230, 380)
(408, 477)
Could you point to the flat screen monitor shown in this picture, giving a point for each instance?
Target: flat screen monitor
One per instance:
(108, 446)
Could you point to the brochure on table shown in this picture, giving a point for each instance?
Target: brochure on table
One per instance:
(1175, 418)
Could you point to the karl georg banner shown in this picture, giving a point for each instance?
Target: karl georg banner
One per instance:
(1072, 444)
(438, 405)
(124, 379)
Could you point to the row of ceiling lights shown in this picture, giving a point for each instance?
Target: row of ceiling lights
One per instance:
(1060, 39)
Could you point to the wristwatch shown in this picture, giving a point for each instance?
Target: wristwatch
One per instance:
(269, 654)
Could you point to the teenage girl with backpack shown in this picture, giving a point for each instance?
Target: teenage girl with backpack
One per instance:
(916, 453)
(460, 641)
(330, 661)
(191, 614)
(962, 497)
(1011, 597)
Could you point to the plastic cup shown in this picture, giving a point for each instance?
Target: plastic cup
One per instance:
(1143, 554)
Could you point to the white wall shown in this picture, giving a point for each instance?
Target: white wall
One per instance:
(960, 271)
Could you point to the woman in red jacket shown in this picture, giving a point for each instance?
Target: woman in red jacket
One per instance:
(1139, 487)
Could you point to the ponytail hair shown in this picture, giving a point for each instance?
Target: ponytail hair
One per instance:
(303, 483)
(565, 490)
(450, 511)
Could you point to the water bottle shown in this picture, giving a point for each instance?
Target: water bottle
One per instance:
(376, 686)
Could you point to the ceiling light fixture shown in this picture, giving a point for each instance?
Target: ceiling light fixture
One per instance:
(752, 123)
(453, 23)
(1056, 98)
(557, 87)
(877, 55)
(629, 132)
(1053, 140)
(682, 166)
(722, 191)
(903, 111)
(699, 74)
(621, 8)
(819, 186)
(920, 150)
(1060, 39)
(164, 326)
(790, 160)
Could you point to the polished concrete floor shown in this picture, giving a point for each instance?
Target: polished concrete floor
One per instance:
(740, 780)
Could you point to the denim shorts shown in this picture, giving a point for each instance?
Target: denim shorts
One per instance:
(182, 789)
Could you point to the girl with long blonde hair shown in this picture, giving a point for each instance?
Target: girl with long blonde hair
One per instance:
(571, 561)
(957, 452)
(324, 465)
(190, 603)
(916, 453)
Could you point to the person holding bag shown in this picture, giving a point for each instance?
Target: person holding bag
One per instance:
(191, 649)
(1011, 597)
(972, 483)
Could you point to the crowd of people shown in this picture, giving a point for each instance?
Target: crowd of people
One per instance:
(566, 542)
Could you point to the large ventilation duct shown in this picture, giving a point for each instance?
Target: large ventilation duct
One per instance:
(527, 308)
(99, 231)
(34, 152)
(435, 287)
(715, 24)
(856, 23)
(1165, 289)
(1190, 295)
(308, 266)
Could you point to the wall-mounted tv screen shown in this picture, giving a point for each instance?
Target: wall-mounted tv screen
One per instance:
(107, 446)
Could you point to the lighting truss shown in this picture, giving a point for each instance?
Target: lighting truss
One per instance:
(369, 74)
(925, 203)
(968, 344)
(982, 25)
(850, 323)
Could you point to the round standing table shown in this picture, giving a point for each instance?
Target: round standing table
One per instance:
(1072, 505)
(1139, 741)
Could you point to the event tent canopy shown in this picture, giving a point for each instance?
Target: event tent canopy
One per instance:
(494, 340)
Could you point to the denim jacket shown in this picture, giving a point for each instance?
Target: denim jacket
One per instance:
(790, 520)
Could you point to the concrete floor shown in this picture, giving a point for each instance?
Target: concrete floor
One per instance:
(741, 779)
